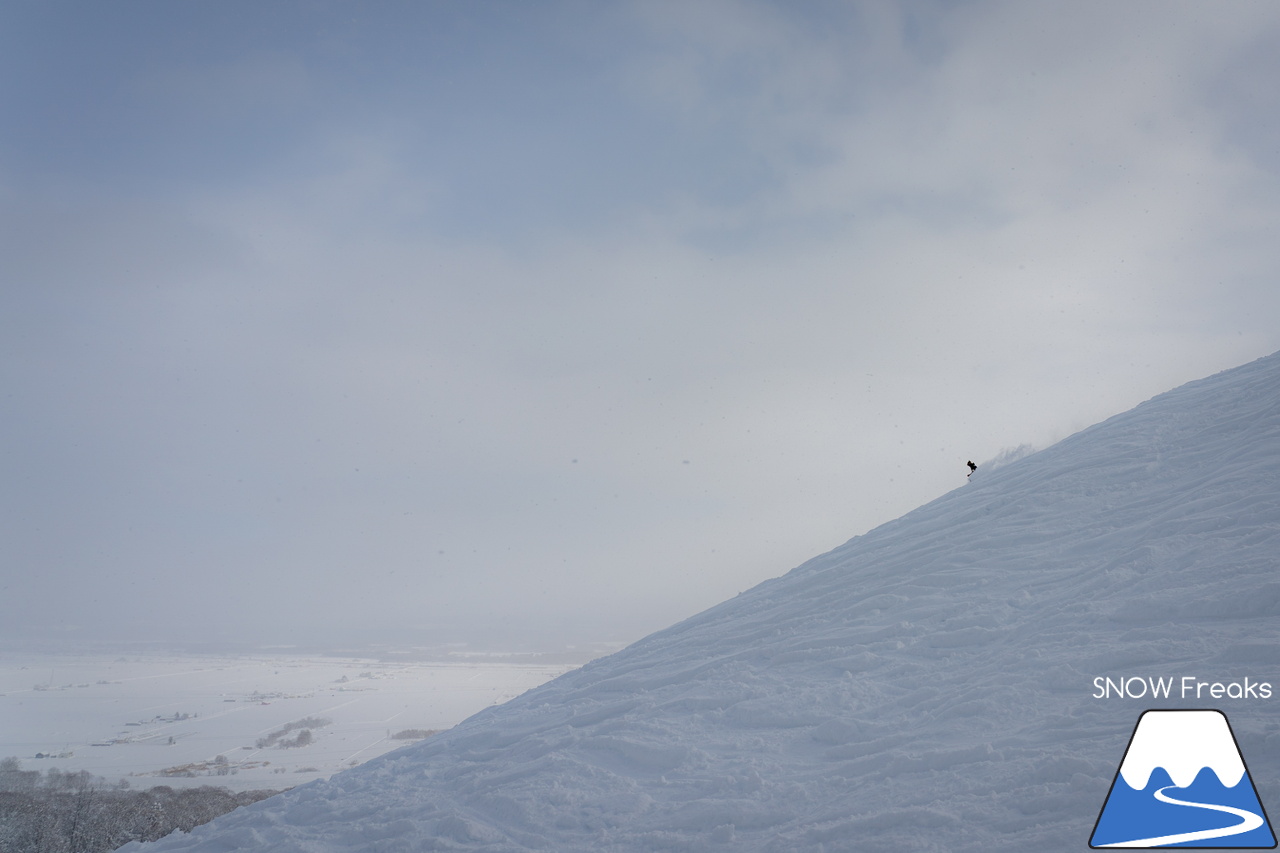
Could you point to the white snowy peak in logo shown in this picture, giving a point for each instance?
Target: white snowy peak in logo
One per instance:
(1183, 743)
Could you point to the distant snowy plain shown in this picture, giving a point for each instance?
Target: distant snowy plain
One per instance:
(136, 716)
(929, 686)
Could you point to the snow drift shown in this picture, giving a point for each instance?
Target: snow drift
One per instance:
(926, 686)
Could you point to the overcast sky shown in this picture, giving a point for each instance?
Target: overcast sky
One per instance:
(557, 322)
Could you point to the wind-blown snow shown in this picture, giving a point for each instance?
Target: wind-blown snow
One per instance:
(926, 686)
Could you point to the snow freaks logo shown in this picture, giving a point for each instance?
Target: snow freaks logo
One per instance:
(1182, 782)
(1187, 687)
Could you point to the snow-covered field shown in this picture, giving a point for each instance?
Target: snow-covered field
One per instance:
(167, 719)
(942, 683)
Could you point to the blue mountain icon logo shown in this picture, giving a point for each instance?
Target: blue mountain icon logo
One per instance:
(1182, 783)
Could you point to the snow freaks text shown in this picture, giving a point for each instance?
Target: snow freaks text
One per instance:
(1185, 687)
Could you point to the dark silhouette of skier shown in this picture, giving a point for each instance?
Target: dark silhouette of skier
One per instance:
(972, 468)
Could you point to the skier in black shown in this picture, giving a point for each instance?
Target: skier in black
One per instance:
(972, 468)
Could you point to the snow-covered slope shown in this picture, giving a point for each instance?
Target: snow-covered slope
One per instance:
(926, 686)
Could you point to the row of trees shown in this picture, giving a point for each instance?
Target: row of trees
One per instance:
(56, 812)
(302, 738)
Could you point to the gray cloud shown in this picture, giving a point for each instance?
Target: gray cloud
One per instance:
(558, 323)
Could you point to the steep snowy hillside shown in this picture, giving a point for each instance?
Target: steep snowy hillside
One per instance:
(926, 687)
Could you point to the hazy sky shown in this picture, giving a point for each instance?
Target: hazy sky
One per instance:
(557, 322)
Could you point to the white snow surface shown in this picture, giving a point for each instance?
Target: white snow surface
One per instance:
(927, 686)
(1183, 743)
